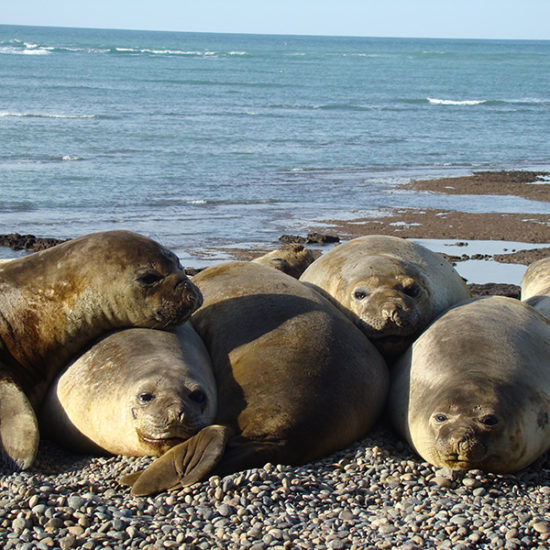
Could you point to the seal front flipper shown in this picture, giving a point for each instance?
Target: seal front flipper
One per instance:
(183, 465)
(19, 434)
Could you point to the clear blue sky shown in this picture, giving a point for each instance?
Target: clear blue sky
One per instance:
(529, 19)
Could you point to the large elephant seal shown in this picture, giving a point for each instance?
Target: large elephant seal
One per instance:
(292, 259)
(391, 287)
(535, 286)
(55, 301)
(473, 392)
(296, 379)
(136, 392)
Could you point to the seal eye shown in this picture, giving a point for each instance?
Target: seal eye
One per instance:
(489, 420)
(149, 279)
(413, 291)
(145, 398)
(198, 396)
(359, 294)
(440, 418)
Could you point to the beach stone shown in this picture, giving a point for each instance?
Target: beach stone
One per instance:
(541, 526)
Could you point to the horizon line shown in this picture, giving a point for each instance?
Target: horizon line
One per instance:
(273, 33)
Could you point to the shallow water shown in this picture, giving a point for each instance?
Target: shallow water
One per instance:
(205, 141)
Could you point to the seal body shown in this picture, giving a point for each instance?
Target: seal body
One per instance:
(296, 379)
(136, 392)
(473, 392)
(391, 287)
(535, 286)
(292, 259)
(53, 302)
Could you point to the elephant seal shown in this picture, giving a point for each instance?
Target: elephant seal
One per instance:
(53, 302)
(535, 286)
(473, 392)
(296, 379)
(292, 259)
(391, 287)
(136, 392)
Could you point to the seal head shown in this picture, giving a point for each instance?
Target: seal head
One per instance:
(391, 288)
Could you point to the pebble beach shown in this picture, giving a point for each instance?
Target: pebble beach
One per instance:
(375, 494)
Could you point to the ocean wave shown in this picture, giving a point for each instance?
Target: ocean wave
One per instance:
(467, 102)
(24, 48)
(6, 114)
(18, 47)
(490, 102)
(172, 52)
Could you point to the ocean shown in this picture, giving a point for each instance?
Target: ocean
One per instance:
(211, 141)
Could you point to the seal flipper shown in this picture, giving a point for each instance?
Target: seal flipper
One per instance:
(243, 453)
(183, 465)
(19, 435)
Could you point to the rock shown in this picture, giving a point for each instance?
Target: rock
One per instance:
(541, 526)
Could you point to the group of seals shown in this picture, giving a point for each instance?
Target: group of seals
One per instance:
(276, 373)
(136, 392)
(391, 287)
(53, 302)
(296, 379)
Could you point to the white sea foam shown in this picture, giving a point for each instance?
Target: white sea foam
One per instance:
(11, 50)
(4, 114)
(436, 101)
(69, 158)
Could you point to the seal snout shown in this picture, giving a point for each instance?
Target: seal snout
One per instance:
(463, 449)
(394, 312)
(190, 290)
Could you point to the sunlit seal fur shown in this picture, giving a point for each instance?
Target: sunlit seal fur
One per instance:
(391, 287)
(292, 259)
(535, 286)
(296, 379)
(473, 392)
(52, 303)
(136, 392)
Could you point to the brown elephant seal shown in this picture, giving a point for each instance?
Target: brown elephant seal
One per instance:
(473, 392)
(136, 392)
(296, 379)
(292, 259)
(535, 286)
(391, 287)
(55, 301)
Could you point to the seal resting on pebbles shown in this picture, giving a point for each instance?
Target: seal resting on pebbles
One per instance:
(136, 392)
(535, 286)
(53, 302)
(473, 392)
(391, 287)
(292, 259)
(296, 379)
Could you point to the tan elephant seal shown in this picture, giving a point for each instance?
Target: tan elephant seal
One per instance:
(136, 392)
(391, 287)
(55, 301)
(473, 392)
(535, 286)
(292, 259)
(296, 379)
